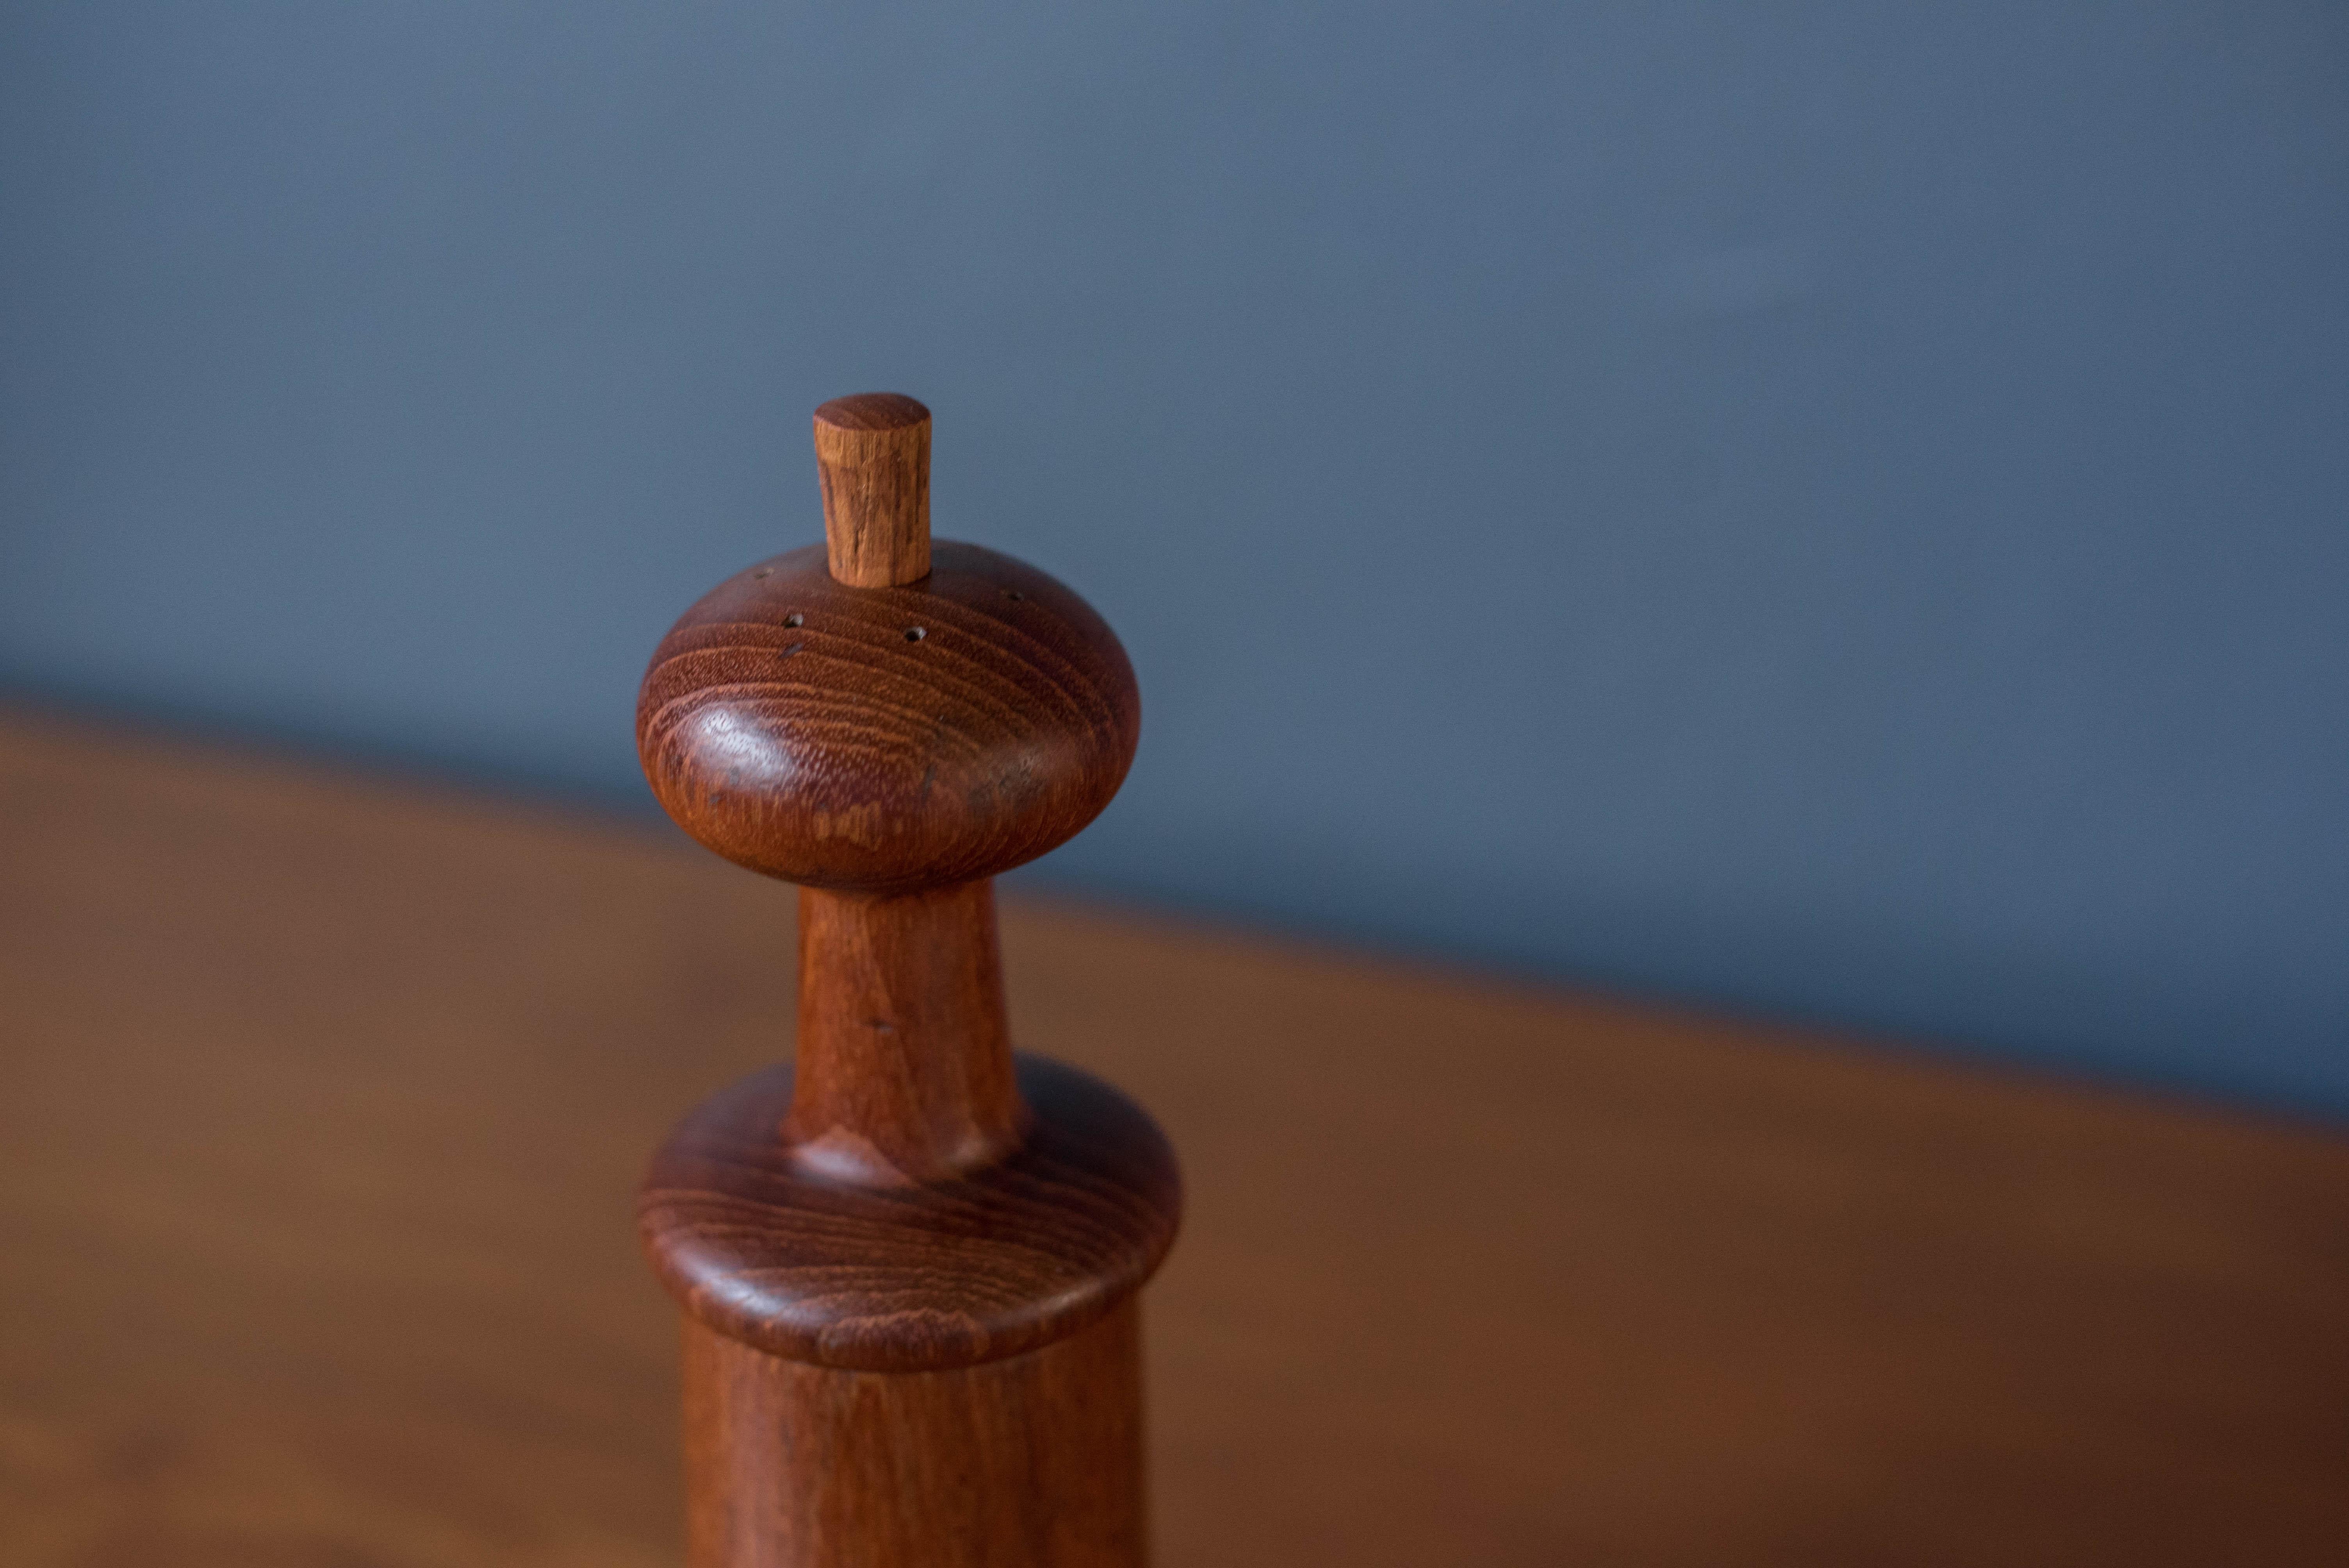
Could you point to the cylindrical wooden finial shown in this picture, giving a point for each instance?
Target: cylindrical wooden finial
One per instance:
(872, 453)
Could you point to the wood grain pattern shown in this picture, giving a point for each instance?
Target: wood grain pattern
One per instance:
(886, 739)
(1033, 1462)
(873, 460)
(323, 1099)
(902, 1278)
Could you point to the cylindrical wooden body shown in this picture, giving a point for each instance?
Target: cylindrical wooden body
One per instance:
(930, 1375)
(1032, 1461)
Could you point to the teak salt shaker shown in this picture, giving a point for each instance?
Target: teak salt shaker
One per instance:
(908, 1262)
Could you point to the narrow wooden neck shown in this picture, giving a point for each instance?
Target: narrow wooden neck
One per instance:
(905, 1054)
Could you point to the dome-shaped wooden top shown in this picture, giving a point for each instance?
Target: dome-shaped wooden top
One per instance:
(880, 740)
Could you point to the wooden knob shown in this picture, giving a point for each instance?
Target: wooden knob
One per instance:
(872, 456)
(877, 715)
(885, 739)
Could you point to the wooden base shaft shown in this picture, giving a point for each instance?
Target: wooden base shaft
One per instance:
(1033, 1461)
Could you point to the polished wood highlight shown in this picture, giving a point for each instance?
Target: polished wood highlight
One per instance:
(1033, 1462)
(873, 461)
(323, 1098)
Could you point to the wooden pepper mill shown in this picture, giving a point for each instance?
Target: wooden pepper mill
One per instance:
(908, 1263)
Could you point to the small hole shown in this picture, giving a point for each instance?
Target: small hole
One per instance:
(795, 619)
(764, 571)
(916, 633)
(1014, 594)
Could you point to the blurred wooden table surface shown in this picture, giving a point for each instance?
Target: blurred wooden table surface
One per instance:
(323, 1098)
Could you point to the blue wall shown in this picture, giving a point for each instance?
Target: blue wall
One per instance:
(1841, 510)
